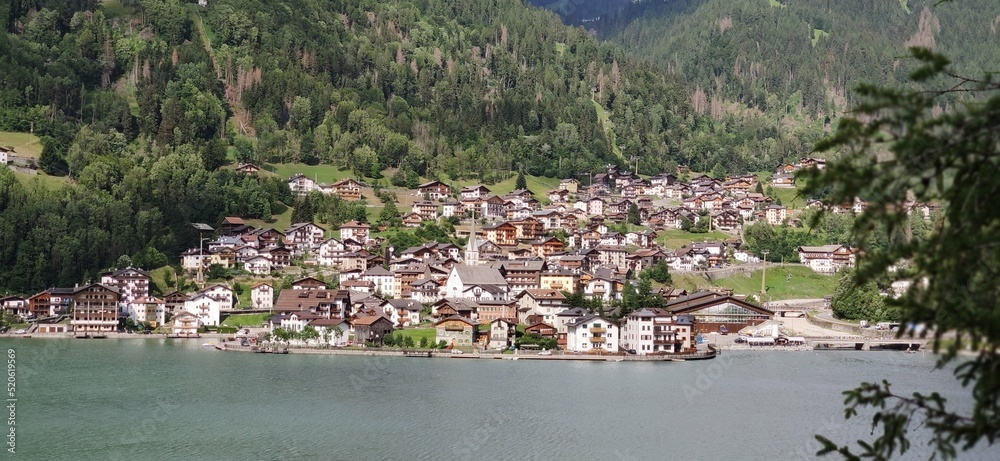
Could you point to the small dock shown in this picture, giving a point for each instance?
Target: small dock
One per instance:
(424, 354)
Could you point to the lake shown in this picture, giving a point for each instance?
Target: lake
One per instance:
(176, 400)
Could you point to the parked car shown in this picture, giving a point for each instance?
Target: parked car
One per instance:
(631, 351)
(457, 351)
(740, 339)
(544, 352)
(20, 331)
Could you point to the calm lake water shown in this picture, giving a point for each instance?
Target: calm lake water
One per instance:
(176, 400)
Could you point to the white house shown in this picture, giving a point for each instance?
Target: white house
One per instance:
(258, 265)
(383, 280)
(262, 296)
(205, 308)
(185, 324)
(221, 293)
(653, 330)
(148, 310)
(584, 334)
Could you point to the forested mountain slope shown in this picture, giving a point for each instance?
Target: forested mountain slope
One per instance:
(141, 104)
(783, 56)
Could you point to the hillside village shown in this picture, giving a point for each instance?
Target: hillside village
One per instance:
(520, 263)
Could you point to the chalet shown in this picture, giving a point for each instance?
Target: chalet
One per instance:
(571, 185)
(382, 279)
(248, 169)
(325, 303)
(308, 283)
(783, 180)
(335, 331)
(544, 303)
(546, 246)
(148, 310)
(775, 214)
(531, 227)
(726, 220)
(233, 225)
(541, 329)
(54, 301)
(558, 195)
(451, 208)
(645, 258)
(130, 283)
(407, 311)
(654, 330)
(457, 331)
(301, 184)
(279, 256)
(434, 190)
(455, 306)
(95, 309)
(304, 236)
(15, 305)
(493, 207)
(474, 192)
(355, 230)
(258, 265)
(427, 210)
(611, 256)
(591, 332)
(347, 189)
(372, 329)
(826, 259)
(502, 333)
(504, 233)
(262, 296)
(520, 275)
(560, 280)
(184, 324)
(425, 290)
(413, 220)
(5, 154)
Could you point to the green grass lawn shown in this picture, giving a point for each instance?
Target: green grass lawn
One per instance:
(279, 221)
(248, 320)
(804, 283)
(45, 181)
(323, 173)
(417, 333)
(24, 144)
(675, 238)
(791, 197)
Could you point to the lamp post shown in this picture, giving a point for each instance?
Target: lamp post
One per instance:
(763, 276)
(201, 228)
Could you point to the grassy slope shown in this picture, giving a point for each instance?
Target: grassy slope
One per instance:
(417, 333)
(804, 283)
(676, 238)
(24, 144)
(250, 320)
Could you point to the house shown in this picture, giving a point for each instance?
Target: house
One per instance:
(783, 180)
(425, 290)
(262, 296)
(451, 208)
(5, 153)
(569, 184)
(826, 259)
(434, 190)
(412, 220)
(355, 230)
(184, 324)
(325, 303)
(232, 225)
(459, 306)
(456, 331)
(245, 168)
(502, 334)
(258, 265)
(543, 303)
(304, 236)
(301, 185)
(504, 233)
(590, 333)
(221, 293)
(148, 310)
(407, 311)
(15, 305)
(279, 256)
(546, 246)
(95, 309)
(558, 195)
(383, 280)
(206, 308)
(726, 220)
(474, 192)
(465, 280)
(54, 301)
(775, 214)
(131, 284)
(347, 189)
(651, 331)
(336, 330)
(491, 310)
(372, 329)
(427, 209)
(559, 280)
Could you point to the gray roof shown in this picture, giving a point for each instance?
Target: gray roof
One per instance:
(479, 275)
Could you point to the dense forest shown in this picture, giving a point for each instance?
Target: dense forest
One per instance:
(792, 57)
(143, 104)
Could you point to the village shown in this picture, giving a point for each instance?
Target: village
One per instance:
(521, 273)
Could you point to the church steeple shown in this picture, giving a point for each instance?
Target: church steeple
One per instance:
(472, 248)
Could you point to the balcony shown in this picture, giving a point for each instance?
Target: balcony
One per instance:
(598, 340)
(667, 342)
(454, 328)
(598, 330)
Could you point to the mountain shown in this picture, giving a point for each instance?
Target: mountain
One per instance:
(785, 56)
